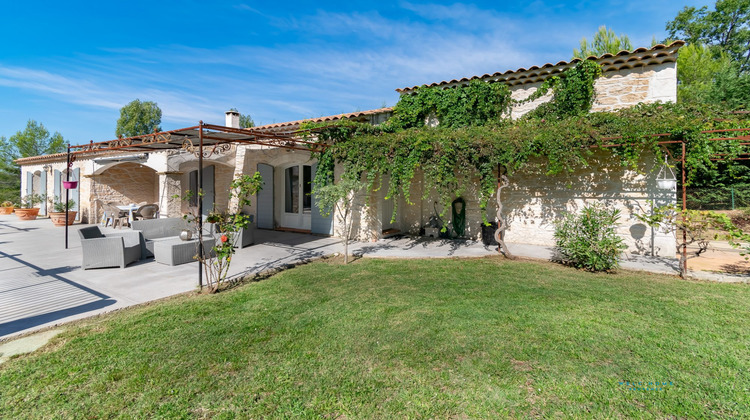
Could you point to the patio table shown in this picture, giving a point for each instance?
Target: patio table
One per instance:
(130, 209)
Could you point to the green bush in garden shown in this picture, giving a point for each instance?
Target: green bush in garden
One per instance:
(588, 240)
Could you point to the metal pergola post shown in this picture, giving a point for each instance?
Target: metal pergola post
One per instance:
(67, 192)
(200, 205)
(684, 207)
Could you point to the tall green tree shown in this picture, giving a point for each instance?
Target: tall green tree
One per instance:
(138, 118)
(697, 69)
(246, 121)
(726, 28)
(604, 41)
(34, 140)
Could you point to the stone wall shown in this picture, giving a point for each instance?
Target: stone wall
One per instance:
(615, 89)
(124, 183)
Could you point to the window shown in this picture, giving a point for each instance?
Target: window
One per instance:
(291, 193)
(298, 193)
(306, 189)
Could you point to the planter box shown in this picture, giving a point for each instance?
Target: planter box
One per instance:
(27, 214)
(6, 210)
(58, 219)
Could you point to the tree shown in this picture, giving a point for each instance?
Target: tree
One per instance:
(605, 41)
(34, 140)
(731, 89)
(698, 227)
(339, 197)
(138, 118)
(227, 227)
(246, 121)
(726, 28)
(10, 181)
(697, 68)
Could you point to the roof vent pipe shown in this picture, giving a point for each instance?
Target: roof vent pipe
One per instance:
(232, 118)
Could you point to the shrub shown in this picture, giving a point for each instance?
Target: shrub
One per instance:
(58, 205)
(588, 240)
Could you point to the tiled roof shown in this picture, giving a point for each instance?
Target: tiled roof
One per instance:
(610, 62)
(41, 158)
(349, 116)
(56, 157)
(277, 127)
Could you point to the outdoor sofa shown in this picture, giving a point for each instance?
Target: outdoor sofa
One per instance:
(111, 250)
(167, 229)
(155, 230)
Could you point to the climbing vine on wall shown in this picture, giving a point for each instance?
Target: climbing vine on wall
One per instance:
(477, 103)
(475, 135)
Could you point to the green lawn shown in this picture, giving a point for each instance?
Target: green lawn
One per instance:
(457, 338)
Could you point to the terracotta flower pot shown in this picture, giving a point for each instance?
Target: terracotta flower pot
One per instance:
(27, 214)
(58, 219)
(6, 210)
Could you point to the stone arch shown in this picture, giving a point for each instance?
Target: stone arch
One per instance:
(124, 183)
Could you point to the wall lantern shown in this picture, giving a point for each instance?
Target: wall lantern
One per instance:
(666, 180)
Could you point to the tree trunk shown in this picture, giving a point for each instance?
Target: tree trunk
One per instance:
(501, 224)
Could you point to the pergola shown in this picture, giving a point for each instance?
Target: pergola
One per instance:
(202, 140)
(739, 135)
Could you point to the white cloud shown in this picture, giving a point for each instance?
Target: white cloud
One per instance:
(340, 62)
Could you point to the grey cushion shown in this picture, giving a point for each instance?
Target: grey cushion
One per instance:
(90, 232)
(161, 228)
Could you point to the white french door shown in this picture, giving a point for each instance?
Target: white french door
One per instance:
(294, 201)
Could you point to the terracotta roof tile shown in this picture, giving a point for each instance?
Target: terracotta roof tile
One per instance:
(348, 116)
(610, 62)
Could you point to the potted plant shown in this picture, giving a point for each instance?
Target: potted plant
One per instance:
(27, 211)
(7, 207)
(57, 213)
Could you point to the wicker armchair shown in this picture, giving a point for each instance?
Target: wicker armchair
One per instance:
(148, 211)
(113, 250)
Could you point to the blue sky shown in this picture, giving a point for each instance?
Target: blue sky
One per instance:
(72, 65)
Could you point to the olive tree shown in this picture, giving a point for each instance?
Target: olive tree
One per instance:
(340, 197)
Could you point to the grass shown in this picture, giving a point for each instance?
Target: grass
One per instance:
(481, 338)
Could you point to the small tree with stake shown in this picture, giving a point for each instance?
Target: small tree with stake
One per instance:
(227, 226)
(339, 197)
(695, 226)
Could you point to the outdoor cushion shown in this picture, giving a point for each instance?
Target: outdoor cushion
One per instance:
(90, 233)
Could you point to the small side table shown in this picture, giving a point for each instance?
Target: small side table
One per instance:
(176, 251)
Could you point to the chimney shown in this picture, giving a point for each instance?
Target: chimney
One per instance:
(232, 119)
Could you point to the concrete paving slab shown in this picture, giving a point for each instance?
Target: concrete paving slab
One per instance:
(42, 283)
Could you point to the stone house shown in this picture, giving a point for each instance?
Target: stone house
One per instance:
(532, 202)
